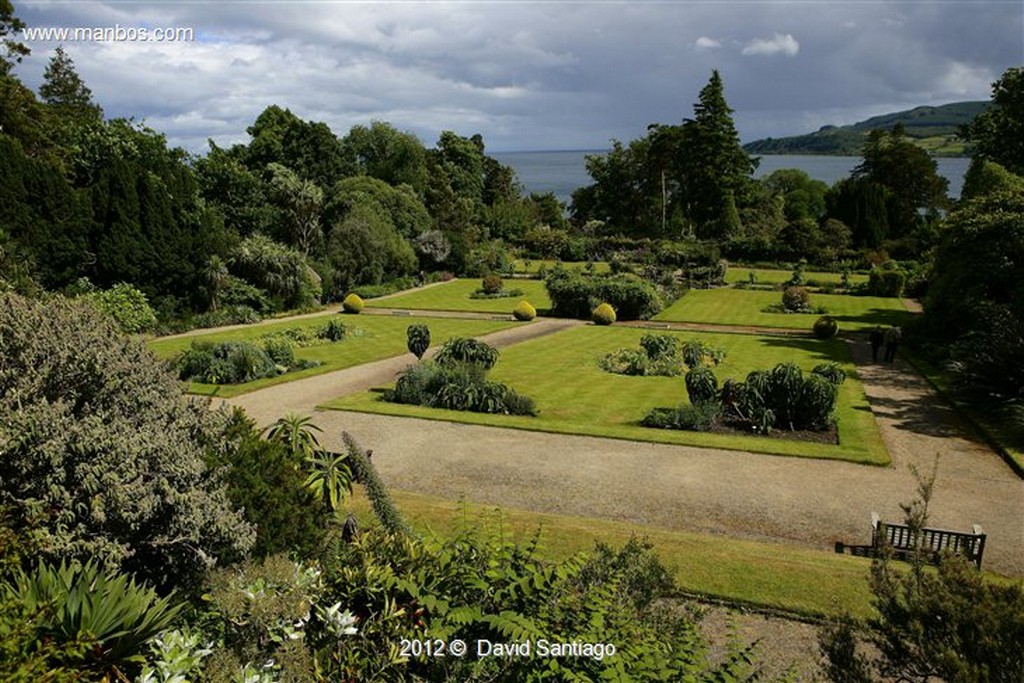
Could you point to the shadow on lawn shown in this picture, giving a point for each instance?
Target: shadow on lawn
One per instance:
(886, 317)
(831, 350)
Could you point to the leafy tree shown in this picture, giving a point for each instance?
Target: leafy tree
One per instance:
(309, 148)
(103, 457)
(393, 156)
(10, 25)
(803, 197)
(302, 201)
(625, 193)
(998, 133)
(399, 205)
(65, 92)
(908, 173)
(237, 193)
(127, 306)
(364, 249)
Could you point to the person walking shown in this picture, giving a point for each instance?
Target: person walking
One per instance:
(876, 338)
(892, 339)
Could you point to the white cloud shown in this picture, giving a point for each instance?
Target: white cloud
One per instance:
(705, 43)
(779, 44)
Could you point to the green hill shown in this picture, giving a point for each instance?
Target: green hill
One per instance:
(933, 128)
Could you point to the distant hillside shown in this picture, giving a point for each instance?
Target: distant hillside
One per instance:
(933, 128)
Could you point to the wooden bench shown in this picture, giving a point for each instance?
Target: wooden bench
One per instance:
(903, 542)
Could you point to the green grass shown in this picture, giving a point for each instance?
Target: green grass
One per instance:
(773, 575)
(534, 265)
(574, 396)
(746, 307)
(736, 274)
(454, 296)
(376, 338)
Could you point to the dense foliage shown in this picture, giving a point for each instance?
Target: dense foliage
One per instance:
(102, 456)
(576, 295)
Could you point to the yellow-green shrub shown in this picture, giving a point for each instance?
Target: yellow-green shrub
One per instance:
(353, 303)
(603, 314)
(524, 310)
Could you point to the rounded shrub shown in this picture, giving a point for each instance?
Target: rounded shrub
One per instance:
(603, 315)
(353, 303)
(417, 339)
(825, 327)
(701, 385)
(795, 299)
(492, 284)
(524, 311)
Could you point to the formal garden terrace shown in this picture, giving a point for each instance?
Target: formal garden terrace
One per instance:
(574, 395)
(365, 339)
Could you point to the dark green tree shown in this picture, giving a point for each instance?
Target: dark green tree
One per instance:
(998, 134)
(908, 173)
(400, 205)
(711, 163)
(65, 92)
(309, 148)
(860, 203)
(11, 51)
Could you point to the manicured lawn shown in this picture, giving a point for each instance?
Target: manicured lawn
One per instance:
(454, 296)
(534, 265)
(810, 582)
(574, 396)
(746, 307)
(776, 277)
(376, 337)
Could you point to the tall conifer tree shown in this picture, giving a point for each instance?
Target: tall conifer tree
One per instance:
(65, 91)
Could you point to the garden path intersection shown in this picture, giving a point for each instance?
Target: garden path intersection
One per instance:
(800, 501)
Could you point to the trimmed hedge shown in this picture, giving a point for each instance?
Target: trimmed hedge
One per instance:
(576, 295)
(524, 311)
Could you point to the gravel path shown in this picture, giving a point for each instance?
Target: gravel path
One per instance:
(796, 500)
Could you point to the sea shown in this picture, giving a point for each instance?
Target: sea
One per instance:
(561, 172)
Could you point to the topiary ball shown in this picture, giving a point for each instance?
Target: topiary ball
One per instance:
(492, 284)
(795, 299)
(353, 303)
(524, 311)
(603, 315)
(825, 327)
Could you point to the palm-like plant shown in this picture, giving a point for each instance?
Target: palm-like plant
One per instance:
(329, 479)
(84, 603)
(298, 433)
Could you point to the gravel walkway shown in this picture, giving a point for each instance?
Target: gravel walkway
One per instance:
(796, 500)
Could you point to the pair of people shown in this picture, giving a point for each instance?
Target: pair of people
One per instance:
(891, 338)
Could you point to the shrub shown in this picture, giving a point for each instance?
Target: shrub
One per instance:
(280, 351)
(796, 299)
(604, 314)
(228, 362)
(698, 417)
(701, 385)
(128, 307)
(660, 346)
(633, 362)
(333, 331)
(696, 353)
(414, 385)
(785, 383)
(816, 404)
(459, 350)
(524, 311)
(830, 371)
(459, 386)
(825, 327)
(886, 282)
(417, 339)
(353, 303)
(491, 284)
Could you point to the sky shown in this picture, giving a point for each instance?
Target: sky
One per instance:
(528, 75)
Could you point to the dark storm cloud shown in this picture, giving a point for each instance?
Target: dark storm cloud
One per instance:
(537, 74)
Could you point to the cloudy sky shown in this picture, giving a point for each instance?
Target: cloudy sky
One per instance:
(530, 75)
